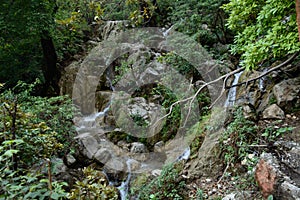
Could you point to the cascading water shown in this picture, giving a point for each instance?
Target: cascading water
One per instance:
(185, 156)
(262, 81)
(231, 97)
(166, 32)
(123, 188)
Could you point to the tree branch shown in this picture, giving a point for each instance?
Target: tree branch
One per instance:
(267, 72)
(192, 98)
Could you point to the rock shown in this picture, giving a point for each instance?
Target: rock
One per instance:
(112, 28)
(103, 155)
(156, 172)
(237, 195)
(102, 99)
(70, 160)
(289, 191)
(249, 112)
(68, 77)
(134, 164)
(137, 110)
(230, 197)
(277, 177)
(159, 146)
(207, 162)
(265, 177)
(273, 112)
(138, 147)
(287, 93)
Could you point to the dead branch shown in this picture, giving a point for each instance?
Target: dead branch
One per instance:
(225, 77)
(267, 72)
(192, 98)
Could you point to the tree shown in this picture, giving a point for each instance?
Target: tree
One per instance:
(25, 39)
(265, 30)
(298, 16)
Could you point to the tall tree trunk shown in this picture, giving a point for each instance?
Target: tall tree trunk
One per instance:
(298, 16)
(50, 70)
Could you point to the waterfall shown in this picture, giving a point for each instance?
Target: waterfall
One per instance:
(166, 32)
(231, 98)
(262, 80)
(185, 155)
(123, 188)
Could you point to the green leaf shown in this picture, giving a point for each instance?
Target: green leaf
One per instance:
(10, 153)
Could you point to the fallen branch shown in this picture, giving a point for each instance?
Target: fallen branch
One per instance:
(267, 72)
(192, 98)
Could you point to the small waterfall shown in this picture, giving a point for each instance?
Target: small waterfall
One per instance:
(166, 32)
(231, 98)
(90, 122)
(123, 188)
(262, 80)
(108, 78)
(185, 155)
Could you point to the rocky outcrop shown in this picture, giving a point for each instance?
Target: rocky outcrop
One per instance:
(273, 112)
(68, 78)
(112, 28)
(280, 176)
(287, 93)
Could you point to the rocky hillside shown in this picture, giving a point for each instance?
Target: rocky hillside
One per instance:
(246, 148)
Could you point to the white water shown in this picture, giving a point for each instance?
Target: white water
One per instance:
(262, 80)
(123, 188)
(231, 98)
(185, 156)
(166, 32)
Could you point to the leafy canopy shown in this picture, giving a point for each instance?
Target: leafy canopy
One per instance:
(265, 30)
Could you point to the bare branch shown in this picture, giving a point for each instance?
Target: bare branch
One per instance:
(267, 72)
(192, 98)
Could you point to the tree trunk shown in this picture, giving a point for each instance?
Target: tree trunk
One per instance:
(50, 70)
(298, 16)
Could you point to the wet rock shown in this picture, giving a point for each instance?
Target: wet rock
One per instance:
(159, 146)
(102, 99)
(287, 93)
(112, 28)
(273, 112)
(138, 147)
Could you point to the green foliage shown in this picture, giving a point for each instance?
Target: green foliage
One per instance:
(166, 186)
(199, 194)
(22, 23)
(203, 20)
(93, 186)
(265, 30)
(32, 131)
(141, 11)
(74, 22)
(236, 139)
(173, 120)
(29, 186)
(271, 133)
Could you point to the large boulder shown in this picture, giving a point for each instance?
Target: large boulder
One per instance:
(68, 78)
(112, 28)
(280, 176)
(273, 112)
(287, 93)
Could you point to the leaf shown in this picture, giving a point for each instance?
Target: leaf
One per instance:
(9, 153)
